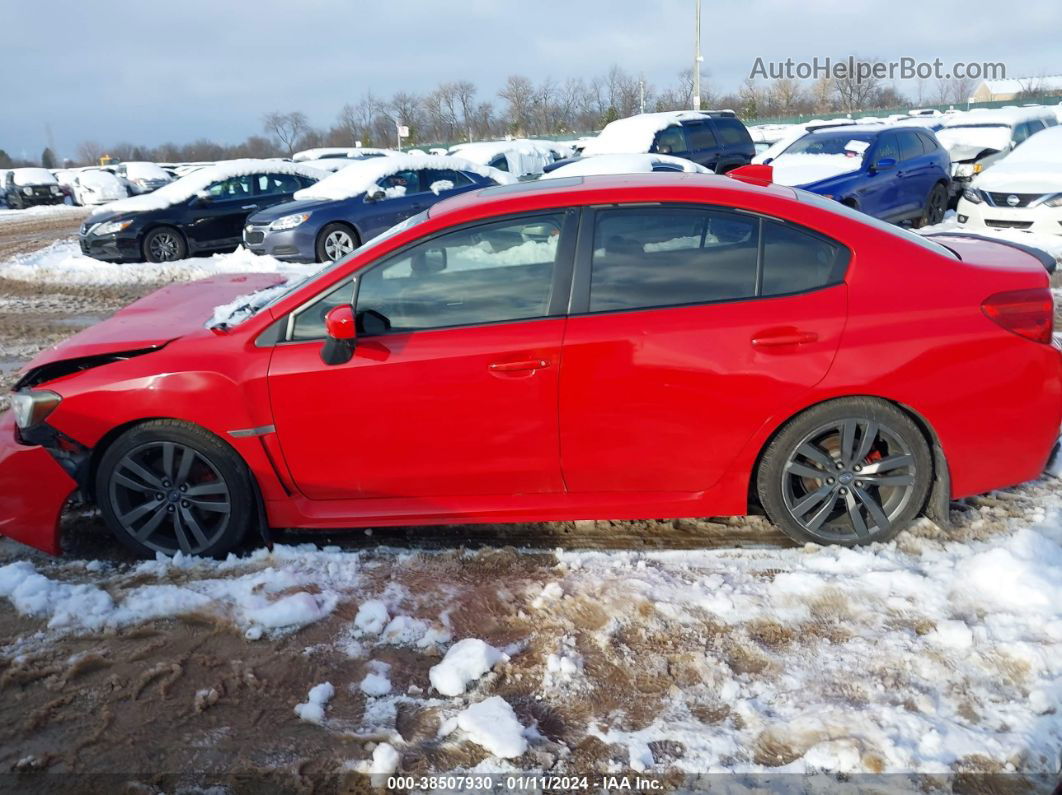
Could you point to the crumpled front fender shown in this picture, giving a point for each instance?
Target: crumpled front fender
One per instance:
(33, 491)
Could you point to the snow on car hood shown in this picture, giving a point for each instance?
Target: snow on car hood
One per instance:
(1021, 177)
(622, 164)
(967, 142)
(186, 187)
(33, 176)
(803, 168)
(364, 174)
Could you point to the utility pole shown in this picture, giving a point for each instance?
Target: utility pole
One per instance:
(697, 59)
(641, 96)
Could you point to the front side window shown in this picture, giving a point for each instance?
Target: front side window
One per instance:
(649, 257)
(887, 148)
(670, 141)
(484, 274)
(232, 188)
(436, 179)
(277, 184)
(401, 183)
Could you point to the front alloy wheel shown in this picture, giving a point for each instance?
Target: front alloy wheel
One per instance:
(854, 478)
(169, 487)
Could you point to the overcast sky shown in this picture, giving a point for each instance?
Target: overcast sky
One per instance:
(149, 72)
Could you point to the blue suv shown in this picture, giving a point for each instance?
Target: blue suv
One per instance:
(894, 173)
(328, 221)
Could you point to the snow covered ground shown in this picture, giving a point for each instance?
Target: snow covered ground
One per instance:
(938, 652)
(42, 211)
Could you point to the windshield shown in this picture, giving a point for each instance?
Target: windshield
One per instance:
(882, 226)
(848, 144)
(980, 136)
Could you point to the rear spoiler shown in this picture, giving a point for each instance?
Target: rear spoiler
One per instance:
(1044, 258)
(755, 174)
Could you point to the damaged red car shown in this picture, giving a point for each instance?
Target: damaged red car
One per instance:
(649, 346)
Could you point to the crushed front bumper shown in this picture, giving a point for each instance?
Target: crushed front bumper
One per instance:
(33, 490)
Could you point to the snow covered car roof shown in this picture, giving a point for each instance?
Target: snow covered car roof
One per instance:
(635, 134)
(362, 175)
(1033, 167)
(33, 176)
(624, 164)
(1007, 116)
(522, 156)
(188, 186)
(142, 169)
(339, 151)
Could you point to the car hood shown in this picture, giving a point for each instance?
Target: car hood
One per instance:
(158, 318)
(803, 169)
(291, 208)
(1021, 177)
(964, 153)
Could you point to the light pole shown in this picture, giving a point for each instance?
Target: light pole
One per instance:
(697, 59)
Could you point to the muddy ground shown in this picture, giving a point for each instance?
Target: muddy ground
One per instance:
(190, 702)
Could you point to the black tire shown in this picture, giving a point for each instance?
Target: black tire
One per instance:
(164, 244)
(936, 206)
(329, 247)
(15, 202)
(827, 470)
(169, 486)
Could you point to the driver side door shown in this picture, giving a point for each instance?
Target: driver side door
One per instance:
(218, 223)
(458, 397)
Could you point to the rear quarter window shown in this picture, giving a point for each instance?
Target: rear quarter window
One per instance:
(796, 260)
(732, 132)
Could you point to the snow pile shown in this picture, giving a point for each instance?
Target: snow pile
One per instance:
(464, 663)
(186, 187)
(313, 710)
(39, 211)
(636, 133)
(275, 598)
(101, 184)
(364, 175)
(804, 168)
(63, 263)
(493, 725)
(384, 762)
(372, 617)
(143, 170)
(624, 164)
(377, 682)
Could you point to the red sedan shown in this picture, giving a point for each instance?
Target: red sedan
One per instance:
(659, 345)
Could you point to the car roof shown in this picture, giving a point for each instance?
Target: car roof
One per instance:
(844, 129)
(997, 116)
(611, 188)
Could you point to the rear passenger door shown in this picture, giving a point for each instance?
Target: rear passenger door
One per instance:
(704, 147)
(684, 339)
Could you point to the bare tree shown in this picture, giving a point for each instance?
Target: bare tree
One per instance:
(784, 94)
(287, 128)
(854, 92)
(519, 92)
(89, 153)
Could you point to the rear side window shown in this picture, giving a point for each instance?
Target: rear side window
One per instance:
(649, 257)
(732, 131)
(910, 145)
(795, 261)
(670, 141)
(274, 184)
(929, 144)
(700, 136)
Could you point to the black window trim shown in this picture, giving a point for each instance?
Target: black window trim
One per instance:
(579, 306)
(560, 288)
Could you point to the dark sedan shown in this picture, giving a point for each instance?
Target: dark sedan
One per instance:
(330, 220)
(200, 213)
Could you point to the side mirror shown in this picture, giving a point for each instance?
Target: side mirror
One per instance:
(375, 194)
(342, 335)
(885, 164)
(202, 197)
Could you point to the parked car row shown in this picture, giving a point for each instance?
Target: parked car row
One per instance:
(29, 187)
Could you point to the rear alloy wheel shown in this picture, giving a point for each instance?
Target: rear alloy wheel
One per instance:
(852, 471)
(169, 487)
(335, 242)
(936, 206)
(164, 244)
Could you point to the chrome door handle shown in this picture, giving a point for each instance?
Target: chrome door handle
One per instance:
(516, 367)
(785, 338)
(249, 207)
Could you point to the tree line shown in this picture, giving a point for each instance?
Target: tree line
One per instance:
(456, 111)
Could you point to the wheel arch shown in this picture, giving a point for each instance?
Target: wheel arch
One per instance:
(936, 505)
(351, 225)
(151, 226)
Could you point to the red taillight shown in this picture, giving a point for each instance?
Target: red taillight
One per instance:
(1027, 313)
